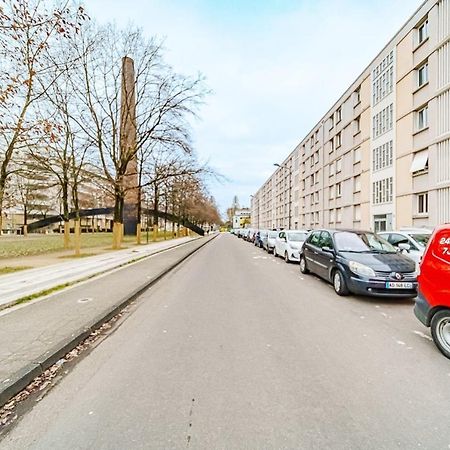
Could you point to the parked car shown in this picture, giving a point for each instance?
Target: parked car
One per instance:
(358, 262)
(411, 241)
(269, 244)
(433, 302)
(259, 238)
(288, 244)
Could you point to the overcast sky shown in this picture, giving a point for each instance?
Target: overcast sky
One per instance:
(274, 66)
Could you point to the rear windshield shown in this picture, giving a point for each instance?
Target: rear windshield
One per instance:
(297, 237)
(422, 239)
(273, 234)
(346, 241)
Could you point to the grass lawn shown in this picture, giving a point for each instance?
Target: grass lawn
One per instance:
(37, 244)
(6, 270)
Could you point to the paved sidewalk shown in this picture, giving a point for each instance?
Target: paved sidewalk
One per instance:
(35, 336)
(28, 282)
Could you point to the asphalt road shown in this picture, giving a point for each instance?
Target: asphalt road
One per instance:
(235, 350)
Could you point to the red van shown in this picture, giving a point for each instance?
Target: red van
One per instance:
(433, 302)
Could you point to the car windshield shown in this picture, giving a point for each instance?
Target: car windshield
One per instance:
(347, 241)
(297, 237)
(422, 239)
(263, 233)
(273, 234)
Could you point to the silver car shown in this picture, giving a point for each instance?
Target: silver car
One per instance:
(269, 243)
(412, 241)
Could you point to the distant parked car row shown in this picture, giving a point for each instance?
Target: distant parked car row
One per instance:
(353, 261)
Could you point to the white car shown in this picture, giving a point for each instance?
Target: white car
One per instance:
(288, 244)
(412, 242)
(269, 243)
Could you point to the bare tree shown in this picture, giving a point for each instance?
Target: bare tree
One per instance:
(29, 31)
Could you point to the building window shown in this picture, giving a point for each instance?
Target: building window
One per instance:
(382, 191)
(357, 125)
(338, 115)
(331, 213)
(338, 215)
(339, 165)
(422, 118)
(422, 32)
(316, 197)
(331, 169)
(357, 96)
(331, 150)
(338, 190)
(357, 213)
(357, 183)
(419, 163)
(382, 156)
(383, 121)
(422, 203)
(312, 180)
(357, 155)
(331, 122)
(331, 192)
(317, 136)
(422, 75)
(316, 157)
(317, 177)
(311, 161)
(338, 138)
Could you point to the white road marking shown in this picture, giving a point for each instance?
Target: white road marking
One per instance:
(400, 343)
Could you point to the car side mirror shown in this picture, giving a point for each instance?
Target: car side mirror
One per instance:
(327, 249)
(404, 246)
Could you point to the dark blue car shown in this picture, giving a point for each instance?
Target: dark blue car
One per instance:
(358, 262)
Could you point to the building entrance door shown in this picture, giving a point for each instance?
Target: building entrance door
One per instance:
(382, 222)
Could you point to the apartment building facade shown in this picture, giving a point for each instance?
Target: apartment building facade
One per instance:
(380, 157)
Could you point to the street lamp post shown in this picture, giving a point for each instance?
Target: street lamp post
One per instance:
(282, 166)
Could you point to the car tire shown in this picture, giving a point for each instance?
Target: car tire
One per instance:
(286, 257)
(440, 330)
(303, 267)
(339, 284)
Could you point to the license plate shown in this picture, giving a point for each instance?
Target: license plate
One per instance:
(398, 285)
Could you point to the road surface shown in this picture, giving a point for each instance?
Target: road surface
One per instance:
(236, 350)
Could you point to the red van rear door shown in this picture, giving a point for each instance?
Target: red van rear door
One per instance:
(434, 277)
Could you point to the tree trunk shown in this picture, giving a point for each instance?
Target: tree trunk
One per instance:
(155, 217)
(25, 220)
(77, 240)
(139, 214)
(118, 219)
(66, 234)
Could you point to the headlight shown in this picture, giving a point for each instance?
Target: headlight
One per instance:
(361, 269)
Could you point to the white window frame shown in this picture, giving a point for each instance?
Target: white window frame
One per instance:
(422, 203)
(338, 190)
(422, 32)
(422, 118)
(339, 165)
(422, 80)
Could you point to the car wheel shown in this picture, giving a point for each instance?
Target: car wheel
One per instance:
(339, 284)
(440, 330)
(286, 257)
(303, 266)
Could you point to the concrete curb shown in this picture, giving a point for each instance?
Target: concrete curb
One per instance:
(22, 378)
(94, 275)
